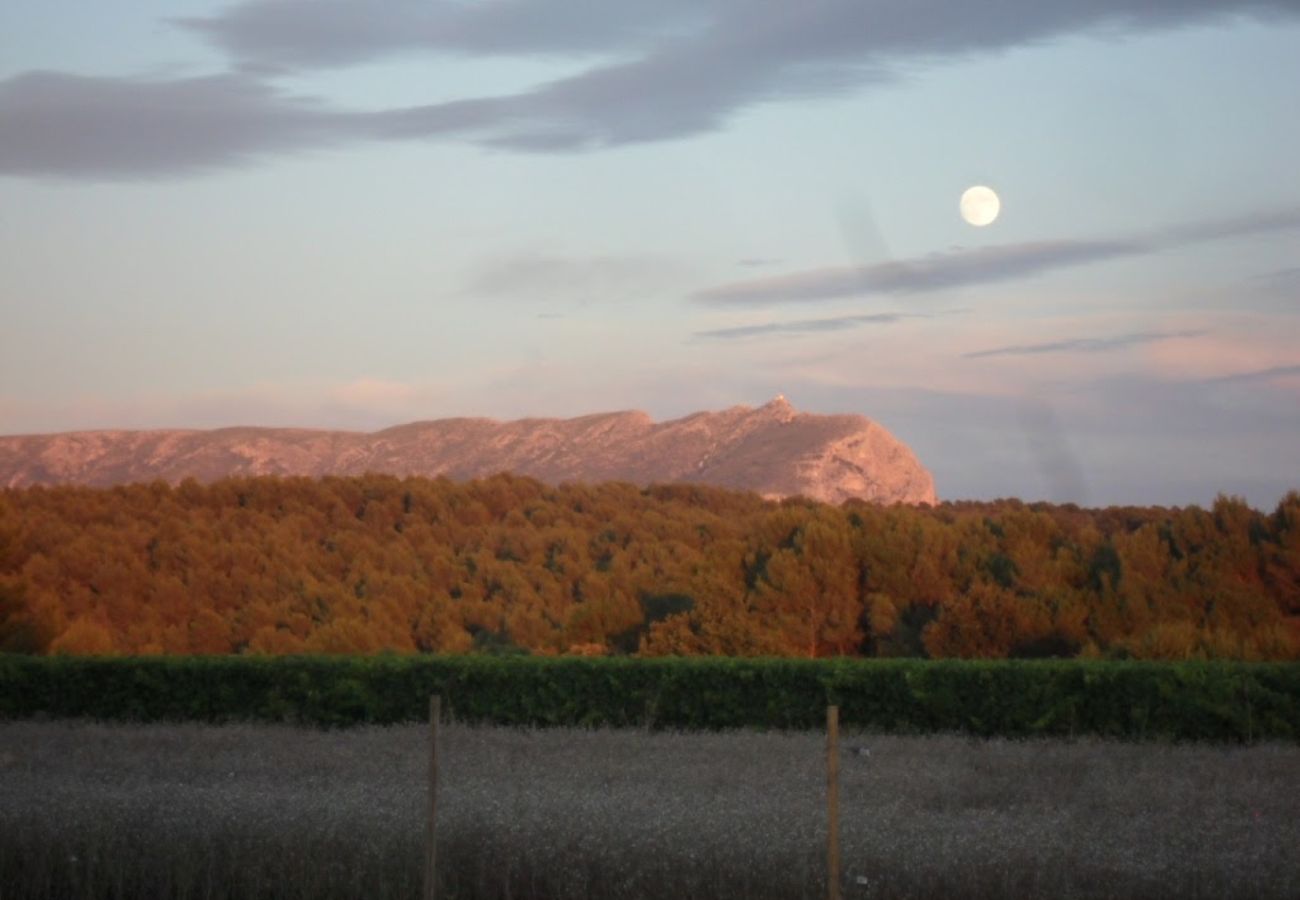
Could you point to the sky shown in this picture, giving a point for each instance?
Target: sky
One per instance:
(359, 213)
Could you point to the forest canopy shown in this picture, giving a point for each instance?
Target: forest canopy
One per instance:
(506, 564)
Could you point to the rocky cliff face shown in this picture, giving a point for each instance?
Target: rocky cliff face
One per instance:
(773, 450)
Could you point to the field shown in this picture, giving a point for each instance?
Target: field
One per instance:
(195, 811)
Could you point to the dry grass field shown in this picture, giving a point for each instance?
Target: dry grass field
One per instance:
(188, 811)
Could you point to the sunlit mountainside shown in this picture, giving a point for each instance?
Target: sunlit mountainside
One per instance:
(773, 450)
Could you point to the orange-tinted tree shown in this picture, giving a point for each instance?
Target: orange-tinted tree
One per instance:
(507, 564)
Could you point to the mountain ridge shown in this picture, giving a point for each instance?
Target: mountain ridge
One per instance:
(772, 449)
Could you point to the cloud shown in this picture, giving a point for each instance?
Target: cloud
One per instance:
(690, 66)
(1046, 353)
(341, 32)
(985, 265)
(1085, 345)
(1280, 277)
(803, 326)
(1269, 374)
(1236, 226)
(79, 126)
(928, 273)
(577, 279)
(1236, 347)
(679, 68)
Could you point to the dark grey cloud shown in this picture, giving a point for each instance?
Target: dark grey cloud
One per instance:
(1085, 344)
(776, 32)
(72, 125)
(768, 50)
(804, 326)
(340, 32)
(76, 126)
(679, 68)
(985, 265)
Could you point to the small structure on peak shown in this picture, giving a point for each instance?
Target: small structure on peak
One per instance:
(781, 408)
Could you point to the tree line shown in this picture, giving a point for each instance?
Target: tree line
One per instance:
(507, 564)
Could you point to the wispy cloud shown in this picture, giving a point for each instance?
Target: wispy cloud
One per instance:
(1085, 344)
(1280, 277)
(1235, 226)
(804, 326)
(1255, 375)
(985, 265)
(1233, 344)
(576, 278)
(679, 69)
(928, 273)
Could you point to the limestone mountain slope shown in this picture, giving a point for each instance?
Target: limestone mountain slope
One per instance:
(774, 450)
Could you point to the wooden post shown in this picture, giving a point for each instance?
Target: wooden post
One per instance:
(833, 802)
(431, 831)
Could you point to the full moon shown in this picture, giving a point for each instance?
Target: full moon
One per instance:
(979, 205)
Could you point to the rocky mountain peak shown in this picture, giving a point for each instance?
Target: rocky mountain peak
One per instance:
(779, 408)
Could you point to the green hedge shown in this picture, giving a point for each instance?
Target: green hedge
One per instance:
(1181, 701)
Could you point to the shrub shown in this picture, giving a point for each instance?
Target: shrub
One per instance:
(1013, 698)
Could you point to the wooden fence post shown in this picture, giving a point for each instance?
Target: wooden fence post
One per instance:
(431, 831)
(833, 802)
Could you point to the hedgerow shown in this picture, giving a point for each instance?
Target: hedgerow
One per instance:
(1011, 698)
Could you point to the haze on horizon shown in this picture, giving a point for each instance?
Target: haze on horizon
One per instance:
(353, 214)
